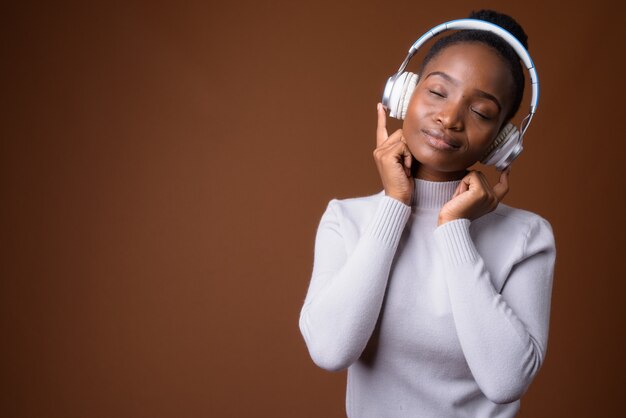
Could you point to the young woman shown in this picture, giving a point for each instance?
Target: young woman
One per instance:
(433, 293)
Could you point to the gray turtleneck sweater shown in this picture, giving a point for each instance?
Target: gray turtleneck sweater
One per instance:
(431, 321)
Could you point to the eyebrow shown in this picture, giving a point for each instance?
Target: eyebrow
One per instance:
(456, 82)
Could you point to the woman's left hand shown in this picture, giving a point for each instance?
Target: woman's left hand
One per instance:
(474, 197)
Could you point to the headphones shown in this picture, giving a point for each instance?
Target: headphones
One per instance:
(508, 143)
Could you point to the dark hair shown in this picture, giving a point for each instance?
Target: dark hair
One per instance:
(494, 41)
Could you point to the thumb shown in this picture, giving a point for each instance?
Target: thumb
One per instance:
(502, 188)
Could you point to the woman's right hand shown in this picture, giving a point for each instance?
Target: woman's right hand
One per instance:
(393, 160)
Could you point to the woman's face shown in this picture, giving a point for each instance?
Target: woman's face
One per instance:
(458, 107)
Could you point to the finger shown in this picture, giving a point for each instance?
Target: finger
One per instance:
(398, 148)
(381, 127)
(484, 183)
(408, 158)
(461, 188)
(471, 180)
(502, 188)
(393, 139)
(464, 185)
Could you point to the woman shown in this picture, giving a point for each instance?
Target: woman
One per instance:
(433, 293)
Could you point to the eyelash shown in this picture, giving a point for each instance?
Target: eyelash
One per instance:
(436, 93)
(480, 115)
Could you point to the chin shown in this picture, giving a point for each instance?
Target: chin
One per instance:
(440, 163)
(443, 168)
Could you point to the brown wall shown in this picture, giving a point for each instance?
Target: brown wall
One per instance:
(163, 170)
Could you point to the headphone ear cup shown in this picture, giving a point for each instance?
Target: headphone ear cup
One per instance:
(407, 91)
(504, 149)
(398, 93)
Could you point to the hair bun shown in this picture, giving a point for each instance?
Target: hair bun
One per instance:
(504, 21)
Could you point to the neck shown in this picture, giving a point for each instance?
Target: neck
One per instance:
(425, 173)
(433, 194)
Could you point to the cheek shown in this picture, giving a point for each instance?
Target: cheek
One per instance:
(415, 113)
(484, 139)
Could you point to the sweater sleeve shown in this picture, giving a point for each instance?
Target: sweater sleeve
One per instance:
(503, 335)
(346, 291)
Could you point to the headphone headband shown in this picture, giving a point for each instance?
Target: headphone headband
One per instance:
(476, 24)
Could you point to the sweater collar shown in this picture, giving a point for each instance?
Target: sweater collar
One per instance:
(433, 194)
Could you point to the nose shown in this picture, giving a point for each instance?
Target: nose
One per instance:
(450, 115)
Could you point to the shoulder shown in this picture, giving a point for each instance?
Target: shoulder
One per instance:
(508, 236)
(354, 206)
(521, 216)
(352, 212)
(507, 222)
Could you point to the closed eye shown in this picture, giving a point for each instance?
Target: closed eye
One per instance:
(481, 115)
(436, 93)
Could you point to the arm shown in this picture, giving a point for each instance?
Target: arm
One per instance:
(503, 335)
(347, 290)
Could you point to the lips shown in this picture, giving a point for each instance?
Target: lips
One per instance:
(440, 140)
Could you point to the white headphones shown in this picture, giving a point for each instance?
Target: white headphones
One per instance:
(508, 143)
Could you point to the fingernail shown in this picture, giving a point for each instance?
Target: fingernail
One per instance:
(378, 106)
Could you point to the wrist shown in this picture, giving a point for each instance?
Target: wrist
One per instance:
(444, 219)
(404, 199)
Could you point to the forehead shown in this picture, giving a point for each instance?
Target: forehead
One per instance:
(477, 66)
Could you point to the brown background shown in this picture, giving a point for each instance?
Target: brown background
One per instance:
(163, 169)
